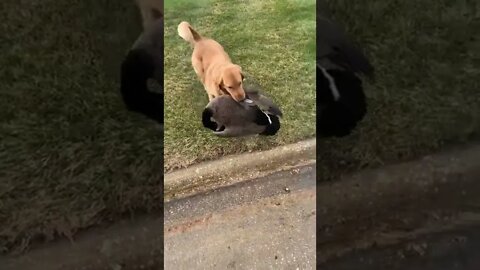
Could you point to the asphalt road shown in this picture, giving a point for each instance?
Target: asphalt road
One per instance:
(457, 249)
(266, 223)
(423, 214)
(418, 215)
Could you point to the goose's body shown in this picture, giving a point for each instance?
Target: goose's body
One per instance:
(341, 100)
(228, 118)
(144, 61)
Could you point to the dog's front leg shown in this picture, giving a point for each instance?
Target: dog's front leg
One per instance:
(213, 91)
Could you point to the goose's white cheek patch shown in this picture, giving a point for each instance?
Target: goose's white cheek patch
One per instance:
(331, 82)
(269, 120)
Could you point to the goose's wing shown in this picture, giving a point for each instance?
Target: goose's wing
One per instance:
(254, 93)
(265, 104)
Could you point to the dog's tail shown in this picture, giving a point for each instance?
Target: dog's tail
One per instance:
(151, 11)
(186, 31)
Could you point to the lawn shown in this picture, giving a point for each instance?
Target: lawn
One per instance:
(71, 156)
(427, 93)
(273, 41)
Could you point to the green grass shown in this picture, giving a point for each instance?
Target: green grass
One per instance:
(273, 41)
(427, 93)
(71, 156)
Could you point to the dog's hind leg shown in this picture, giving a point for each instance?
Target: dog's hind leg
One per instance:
(198, 68)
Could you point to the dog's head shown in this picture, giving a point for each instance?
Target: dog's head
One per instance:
(232, 82)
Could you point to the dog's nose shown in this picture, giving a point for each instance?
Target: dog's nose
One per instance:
(239, 98)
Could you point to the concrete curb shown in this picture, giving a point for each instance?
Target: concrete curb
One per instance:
(236, 168)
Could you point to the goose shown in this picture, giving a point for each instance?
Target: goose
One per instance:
(255, 115)
(143, 62)
(341, 100)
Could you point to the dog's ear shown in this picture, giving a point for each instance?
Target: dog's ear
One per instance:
(241, 72)
(221, 86)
